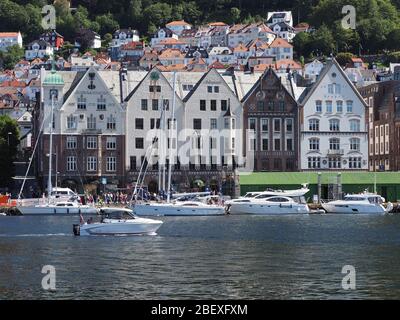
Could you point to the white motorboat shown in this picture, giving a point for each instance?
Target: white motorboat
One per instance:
(59, 208)
(297, 195)
(183, 208)
(118, 221)
(275, 205)
(364, 203)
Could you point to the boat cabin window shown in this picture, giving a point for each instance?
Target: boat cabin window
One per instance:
(263, 196)
(278, 199)
(190, 204)
(377, 200)
(119, 215)
(354, 198)
(250, 195)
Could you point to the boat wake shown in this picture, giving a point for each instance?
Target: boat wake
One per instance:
(35, 235)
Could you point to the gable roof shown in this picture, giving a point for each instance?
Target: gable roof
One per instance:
(280, 43)
(322, 75)
(191, 92)
(177, 23)
(257, 84)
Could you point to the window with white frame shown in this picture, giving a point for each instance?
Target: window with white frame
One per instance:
(252, 124)
(334, 125)
(71, 142)
(318, 106)
(355, 144)
(91, 163)
(314, 162)
(111, 123)
(334, 144)
(111, 164)
(277, 125)
(226, 123)
(91, 122)
(71, 163)
(91, 142)
(314, 144)
(355, 125)
(334, 162)
(71, 122)
(328, 106)
(355, 162)
(289, 125)
(111, 143)
(101, 103)
(264, 124)
(81, 103)
(313, 125)
(339, 106)
(349, 104)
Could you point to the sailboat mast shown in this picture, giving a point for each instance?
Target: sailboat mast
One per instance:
(49, 186)
(172, 127)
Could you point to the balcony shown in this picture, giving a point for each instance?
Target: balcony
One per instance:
(337, 152)
(91, 131)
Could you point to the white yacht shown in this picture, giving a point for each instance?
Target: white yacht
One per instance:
(118, 221)
(58, 208)
(364, 203)
(275, 205)
(178, 208)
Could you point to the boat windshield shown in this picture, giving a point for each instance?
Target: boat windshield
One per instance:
(354, 198)
(250, 194)
(119, 215)
(375, 200)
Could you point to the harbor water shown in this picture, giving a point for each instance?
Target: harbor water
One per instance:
(224, 257)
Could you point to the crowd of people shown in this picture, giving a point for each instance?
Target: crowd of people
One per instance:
(107, 198)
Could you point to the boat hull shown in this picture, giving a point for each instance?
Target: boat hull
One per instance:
(171, 210)
(353, 208)
(267, 209)
(120, 228)
(44, 210)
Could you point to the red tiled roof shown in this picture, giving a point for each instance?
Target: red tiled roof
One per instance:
(178, 23)
(280, 43)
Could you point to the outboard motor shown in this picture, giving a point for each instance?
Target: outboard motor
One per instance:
(77, 229)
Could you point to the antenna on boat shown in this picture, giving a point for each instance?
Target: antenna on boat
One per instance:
(172, 122)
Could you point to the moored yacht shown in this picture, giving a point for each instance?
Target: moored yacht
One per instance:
(118, 221)
(364, 203)
(58, 208)
(178, 208)
(275, 205)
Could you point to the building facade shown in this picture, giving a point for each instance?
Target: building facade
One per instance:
(383, 99)
(271, 120)
(333, 131)
(88, 130)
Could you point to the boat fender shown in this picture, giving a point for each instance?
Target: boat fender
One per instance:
(76, 229)
(389, 207)
(11, 212)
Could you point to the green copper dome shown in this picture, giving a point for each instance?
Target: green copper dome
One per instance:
(53, 78)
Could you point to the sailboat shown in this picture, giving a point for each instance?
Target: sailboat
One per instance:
(52, 207)
(175, 208)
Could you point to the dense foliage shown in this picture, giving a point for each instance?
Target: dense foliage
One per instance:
(377, 28)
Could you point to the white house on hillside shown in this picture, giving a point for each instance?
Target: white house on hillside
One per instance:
(38, 49)
(312, 69)
(8, 39)
(178, 26)
(280, 16)
(333, 133)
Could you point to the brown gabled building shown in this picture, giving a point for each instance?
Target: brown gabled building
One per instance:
(271, 113)
(383, 99)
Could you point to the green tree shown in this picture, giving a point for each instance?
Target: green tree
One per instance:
(107, 24)
(301, 44)
(11, 56)
(9, 141)
(106, 40)
(344, 58)
(235, 15)
(322, 42)
(393, 40)
(158, 14)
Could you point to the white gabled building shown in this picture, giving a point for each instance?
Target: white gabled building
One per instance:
(213, 106)
(312, 69)
(38, 49)
(8, 39)
(333, 132)
(280, 16)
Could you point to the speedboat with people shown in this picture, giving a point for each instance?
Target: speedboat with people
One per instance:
(117, 221)
(275, 205)
(363, 203)
(58, 208)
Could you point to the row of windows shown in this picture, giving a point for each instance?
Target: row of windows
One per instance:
(334, 162)
(91, 122)
(91, 142)
(276, 144)
(334, 144)
(329, 106)
(155, 104)
(213, 105)
(276, 123)
(334, 125)
(82, 103)
(91, 164)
